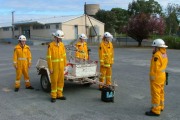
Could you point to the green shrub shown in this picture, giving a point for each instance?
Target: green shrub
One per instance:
(172, 41)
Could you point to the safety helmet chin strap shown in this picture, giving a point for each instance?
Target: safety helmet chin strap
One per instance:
(58, 39)
(82, 40)
(106, 40)
(155, 49)
(22, 45)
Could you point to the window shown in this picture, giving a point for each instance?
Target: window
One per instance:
(6, 29)
(47, 26)
(16, 28)
(38, 27)
(57, 26)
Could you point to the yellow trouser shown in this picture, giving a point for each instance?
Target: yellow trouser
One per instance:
(57, 83)
(106, 73)
(157, 94)
(22, 68)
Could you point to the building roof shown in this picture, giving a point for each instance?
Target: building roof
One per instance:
(8, 24)
(43, 21)
(59, 19)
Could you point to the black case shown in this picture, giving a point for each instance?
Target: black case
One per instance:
(107, 94)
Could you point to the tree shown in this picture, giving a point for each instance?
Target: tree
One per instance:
(137, 27)
(144, 19)
(107, 17)
(142, 6)
(121, 19)
(172, 14)
(140, 26)
(114, 20)
(156, 25)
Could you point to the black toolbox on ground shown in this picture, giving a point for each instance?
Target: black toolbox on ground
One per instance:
(107, 94)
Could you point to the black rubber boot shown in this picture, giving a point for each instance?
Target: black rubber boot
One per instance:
(30, 87)
(53, 100)
(62, 98)
(150, 113)
(16, 89)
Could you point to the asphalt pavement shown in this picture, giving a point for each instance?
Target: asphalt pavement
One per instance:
(132, 96)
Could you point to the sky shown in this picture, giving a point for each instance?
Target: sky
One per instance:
(35, 9)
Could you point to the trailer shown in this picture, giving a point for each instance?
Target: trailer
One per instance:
(77, 70)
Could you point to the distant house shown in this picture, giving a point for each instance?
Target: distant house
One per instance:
(42, 29)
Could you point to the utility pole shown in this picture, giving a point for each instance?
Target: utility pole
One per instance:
(13, 24)
(85, 17)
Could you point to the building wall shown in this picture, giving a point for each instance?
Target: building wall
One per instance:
(8, 34)
(17, 32)
(97, 23)
(80, 22)
(42, 34)
(5, 34)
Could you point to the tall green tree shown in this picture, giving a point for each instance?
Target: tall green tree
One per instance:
(107, 17)
(121, 19)
(114, 20)
(142, 6)
(172, 15)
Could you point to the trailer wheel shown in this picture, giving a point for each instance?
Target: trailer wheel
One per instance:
(45, 84)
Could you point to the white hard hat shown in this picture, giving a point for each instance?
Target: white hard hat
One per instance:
(83, 36)
(159, 43)
(108, 35)
(58, 34)
(22, 38)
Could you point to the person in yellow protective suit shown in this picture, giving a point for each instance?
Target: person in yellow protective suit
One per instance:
(56, 59)
(81, 48)
(22, 62)
(158, 66)
(106, 56)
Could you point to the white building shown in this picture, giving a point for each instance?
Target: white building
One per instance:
(42, 29)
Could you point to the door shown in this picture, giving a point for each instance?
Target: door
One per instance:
(76, 31)
(26, 31)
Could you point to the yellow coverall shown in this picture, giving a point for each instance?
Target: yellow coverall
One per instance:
(106, 56)
(56, 58)
(158, 66)
(22, 62)
(82, 50)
